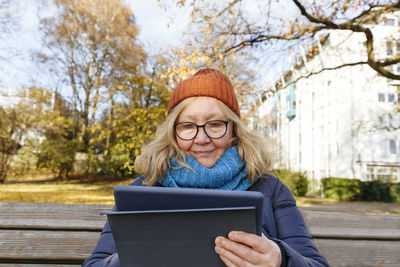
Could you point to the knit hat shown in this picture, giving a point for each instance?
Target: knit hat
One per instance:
(206, 82)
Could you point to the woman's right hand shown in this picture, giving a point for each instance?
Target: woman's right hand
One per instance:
(245, 249)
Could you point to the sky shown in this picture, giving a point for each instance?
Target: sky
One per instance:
(158, 28)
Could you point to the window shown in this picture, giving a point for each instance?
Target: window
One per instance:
(389, 48)
(383, 173)
(387, 174)
(392, 146)
(381, 97)
(389, 22)
(391, 98)
(398, 65)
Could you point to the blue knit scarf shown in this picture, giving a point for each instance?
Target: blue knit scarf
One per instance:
(229, 173)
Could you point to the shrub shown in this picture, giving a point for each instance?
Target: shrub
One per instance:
(341, 188)
(354, 189)
(296, 181)
(395, 192)
(375, 191)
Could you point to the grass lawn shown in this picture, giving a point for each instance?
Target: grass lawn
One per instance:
(75, 190)
(81, 190)
(97, 190)
(84, 193)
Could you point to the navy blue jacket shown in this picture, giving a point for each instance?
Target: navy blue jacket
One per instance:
(282, 223)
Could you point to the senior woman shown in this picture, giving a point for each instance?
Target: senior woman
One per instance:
(204, 144)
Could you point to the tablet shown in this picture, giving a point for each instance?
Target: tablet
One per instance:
(160, 226)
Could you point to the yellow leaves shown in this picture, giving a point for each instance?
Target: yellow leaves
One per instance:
(292, 29)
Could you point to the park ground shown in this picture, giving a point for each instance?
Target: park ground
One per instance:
(99, 190)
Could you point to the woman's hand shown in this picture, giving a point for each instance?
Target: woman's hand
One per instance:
(244, 249)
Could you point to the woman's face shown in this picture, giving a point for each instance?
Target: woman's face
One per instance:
(204, 149)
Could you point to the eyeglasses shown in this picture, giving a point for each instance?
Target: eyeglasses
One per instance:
(213, 129)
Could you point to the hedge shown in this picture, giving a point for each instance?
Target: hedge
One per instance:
(354, 189)
(296, 181)
(341, 189)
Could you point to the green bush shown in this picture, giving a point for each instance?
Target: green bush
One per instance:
(354, 189)
(296, 181)
(395, 192)
(341, 188)
(375, 191)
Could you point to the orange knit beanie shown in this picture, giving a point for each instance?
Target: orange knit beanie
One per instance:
(206, 82)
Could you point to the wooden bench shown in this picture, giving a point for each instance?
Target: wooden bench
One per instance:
(33, 234)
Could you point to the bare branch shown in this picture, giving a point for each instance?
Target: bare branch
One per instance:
(228, 7)
(303, 11)
(322, 70)
(388, 62)
(262, 38)
(371, 12)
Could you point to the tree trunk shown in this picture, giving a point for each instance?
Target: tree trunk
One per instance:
(4, 158)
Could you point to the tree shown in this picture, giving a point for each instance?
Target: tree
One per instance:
(14, 124)
(41, 124)
(132, 122)
(275, 28)
(52, 141)
(89, 44)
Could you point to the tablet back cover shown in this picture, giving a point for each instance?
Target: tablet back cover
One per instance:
(136, 198)
(177, 237)
(159, 226)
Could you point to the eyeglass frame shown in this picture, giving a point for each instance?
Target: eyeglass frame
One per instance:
(226, 122)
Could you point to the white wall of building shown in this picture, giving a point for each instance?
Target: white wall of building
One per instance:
(10, 96)
(337, 130)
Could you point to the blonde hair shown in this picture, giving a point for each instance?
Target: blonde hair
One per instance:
(153, 162)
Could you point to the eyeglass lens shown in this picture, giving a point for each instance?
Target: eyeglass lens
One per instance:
(213, 129)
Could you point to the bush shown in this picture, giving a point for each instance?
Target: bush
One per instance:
(341, 188)
(354, 189)
(375, 191)
(296, 181)
(395, 192)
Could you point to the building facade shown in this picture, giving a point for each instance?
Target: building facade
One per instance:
(341, 122)
(10, 96)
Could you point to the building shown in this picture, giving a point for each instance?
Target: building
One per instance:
(342, 122)
(10, 96)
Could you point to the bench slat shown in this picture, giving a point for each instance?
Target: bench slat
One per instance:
(76, 246)
(40, 264)
(52, 216)
(351, 220)
(57, 234)
(350, 225)
(352, 233)
(86, 217)
(34, 245)
(360, 252)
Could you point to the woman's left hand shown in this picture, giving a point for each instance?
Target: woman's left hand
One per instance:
(244, 249)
